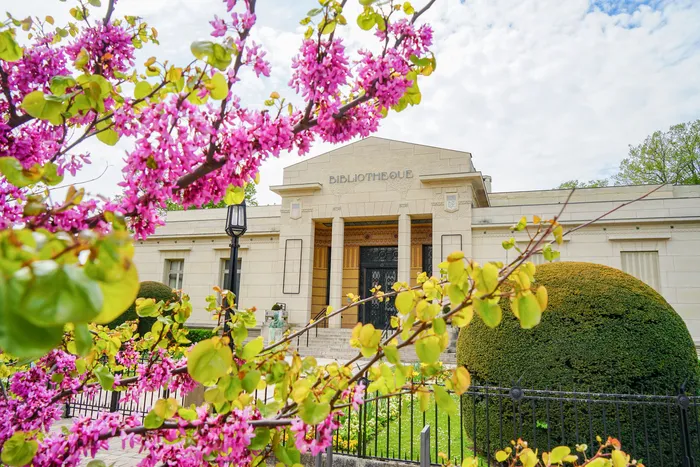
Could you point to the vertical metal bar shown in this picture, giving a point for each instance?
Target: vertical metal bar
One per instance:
(658, 433)
(576, 412)
(400, 422)
(560, 396)
(617, 417)
(425, 446)
(318, 460)
(488, 428)
(534, 422)
(646, 429)
(670, 424)
(632, 429)
(548, 421)
(411, 425)
(329, 456)
(474, 423)
(500, 420)
(376, 422)
(461, 424)
(114, 402)
(436, 432)
(388, 419)
(687, 455)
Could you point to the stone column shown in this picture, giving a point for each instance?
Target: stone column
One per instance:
(336, 273)
(404, 269)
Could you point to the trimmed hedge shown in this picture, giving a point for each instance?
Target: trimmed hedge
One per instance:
(148, 289)
(197, 334)
(603, 331)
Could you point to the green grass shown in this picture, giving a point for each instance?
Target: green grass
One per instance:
(448, 436)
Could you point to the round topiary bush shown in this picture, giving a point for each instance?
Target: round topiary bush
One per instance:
(604, 331)
(149, 289)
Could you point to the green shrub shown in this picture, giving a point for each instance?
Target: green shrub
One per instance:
(603, 331)
(149, 289)
(197, 334)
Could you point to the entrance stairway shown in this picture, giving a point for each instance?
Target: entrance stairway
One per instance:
(334, 344)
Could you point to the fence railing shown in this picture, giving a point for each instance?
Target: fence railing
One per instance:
(660, 429)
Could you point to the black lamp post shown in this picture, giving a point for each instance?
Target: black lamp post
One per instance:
(236, 226)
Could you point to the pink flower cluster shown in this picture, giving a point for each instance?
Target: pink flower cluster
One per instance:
(32, 407)
(355, 396)
(85, 438)
(109, 49)
(226, 437)
(305, 441)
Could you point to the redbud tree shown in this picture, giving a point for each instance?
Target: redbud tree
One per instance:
(66, 264)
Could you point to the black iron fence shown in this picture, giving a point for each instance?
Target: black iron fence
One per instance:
(660, 429)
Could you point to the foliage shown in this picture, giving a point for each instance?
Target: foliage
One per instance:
(249, 189)
(601, 182)
(147, 289)
(595, 314)
(671, 156)
(197, 334)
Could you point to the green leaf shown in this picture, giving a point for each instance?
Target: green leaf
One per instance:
(250, 381)
(444, 401)
(428, 349)
(234, 195)
(50, 175)
(201, 49)
(187, 414)
(36, 105)
(501, 456)
(208, 361)
(142, 89)
(218, 86)
(455, 293)
(489, 311)
(118, 296)
(252, 348)
(96, 463)
(439, 326)
(489, 278)
(558, 454)
(166, 408)
(261, 439)
(83, 339)
(147, 307)
(104, 377)
(392, 354)
(18, 336)
(529, 310)
(408, 9)
(18, 450)
(153, 420)
(313, 412)
(59, 294)
(366, 21)
(404, 302)
(108, 137)
(59, 84)
(15, 173)
(10, 51)
(220, 57)
(327, 28)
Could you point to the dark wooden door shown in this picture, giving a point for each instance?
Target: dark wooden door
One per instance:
(378, 266)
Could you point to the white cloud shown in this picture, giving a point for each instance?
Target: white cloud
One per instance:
(539, 91)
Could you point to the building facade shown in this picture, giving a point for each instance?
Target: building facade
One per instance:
(377, 211)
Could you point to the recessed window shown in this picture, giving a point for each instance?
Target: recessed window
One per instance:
(644, 265)
(224, 274)
(175, 272)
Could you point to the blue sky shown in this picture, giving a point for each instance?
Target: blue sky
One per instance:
(539, 91)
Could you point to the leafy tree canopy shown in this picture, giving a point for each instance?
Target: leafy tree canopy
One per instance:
(601, 182)
(250, 192)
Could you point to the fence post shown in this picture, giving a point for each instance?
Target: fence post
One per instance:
(425, 446)
(329, 455)
(683, 403)
(114, 402)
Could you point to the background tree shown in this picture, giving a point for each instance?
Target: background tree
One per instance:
(601, 182)
(664, 157)
(250, 192)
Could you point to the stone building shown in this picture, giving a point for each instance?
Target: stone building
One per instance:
(379, 210)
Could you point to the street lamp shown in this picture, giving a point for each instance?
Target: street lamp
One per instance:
(236, 226)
